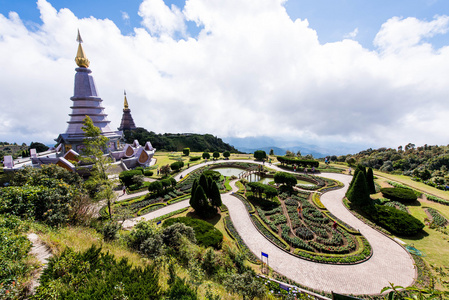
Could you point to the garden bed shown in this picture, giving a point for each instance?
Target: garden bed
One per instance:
(301, 225)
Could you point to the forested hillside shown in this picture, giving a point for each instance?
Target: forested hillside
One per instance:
(179, 141)
(429, 164)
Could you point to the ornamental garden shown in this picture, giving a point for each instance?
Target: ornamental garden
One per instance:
(285, 207)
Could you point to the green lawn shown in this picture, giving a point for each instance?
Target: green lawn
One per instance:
(416, 185)
(432, 242)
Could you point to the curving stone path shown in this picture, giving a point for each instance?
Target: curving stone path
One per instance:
(389, 263)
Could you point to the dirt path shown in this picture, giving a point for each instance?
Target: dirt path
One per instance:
(42, 253)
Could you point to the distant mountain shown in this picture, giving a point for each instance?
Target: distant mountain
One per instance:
(280, 146)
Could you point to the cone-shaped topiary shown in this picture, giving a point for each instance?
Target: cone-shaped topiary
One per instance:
(215, 195)
(370, 181)
(358, 195)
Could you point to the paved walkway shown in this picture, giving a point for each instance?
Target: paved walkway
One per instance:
(389, 263)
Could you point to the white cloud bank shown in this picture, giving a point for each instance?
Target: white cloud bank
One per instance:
(251, 71)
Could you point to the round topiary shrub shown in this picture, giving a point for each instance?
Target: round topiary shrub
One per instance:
(396, 221)
(205, 233)
(399, 194)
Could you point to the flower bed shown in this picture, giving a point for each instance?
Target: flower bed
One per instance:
(311, 231)
(171, 214)
(437, 218)
(397, 205)
(150, 208)
(362, 253)
(317, 201)
(437, 199)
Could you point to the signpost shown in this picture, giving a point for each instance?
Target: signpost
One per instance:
(263, 264)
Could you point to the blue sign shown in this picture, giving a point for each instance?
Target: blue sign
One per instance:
(283, 286)
(158, 222)
(264, 254)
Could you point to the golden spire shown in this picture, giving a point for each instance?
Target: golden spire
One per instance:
(81, 59)
(125, 102)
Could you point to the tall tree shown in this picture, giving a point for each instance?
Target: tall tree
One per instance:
(260, 155)
(205, 196)
(95, 144)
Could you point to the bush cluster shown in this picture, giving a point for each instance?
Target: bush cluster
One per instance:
(285, 178)
(93, 274)
(126, 177)
(263, 189)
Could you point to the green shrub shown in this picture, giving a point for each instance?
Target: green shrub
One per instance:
(110, 230)
(399, 194)
(177, 165)
(180, 290)
(186, 151)
(14, 248)
(195, 158)
(211, 173)
(95, 275)
(260, 154)
(126, 177)
(148, 172)
(396, 221)
(205, 233)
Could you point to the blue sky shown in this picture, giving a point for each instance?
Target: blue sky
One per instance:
(332, 19)
(349, 72)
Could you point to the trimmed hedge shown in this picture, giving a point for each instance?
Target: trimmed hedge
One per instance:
(205, 233)
(299, 162)
(396, 221)
(399, 194)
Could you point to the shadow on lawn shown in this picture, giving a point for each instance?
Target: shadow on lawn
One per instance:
(213, 220)
(419, 236)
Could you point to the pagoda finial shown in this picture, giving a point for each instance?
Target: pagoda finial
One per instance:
(81, 59)
(125, 102)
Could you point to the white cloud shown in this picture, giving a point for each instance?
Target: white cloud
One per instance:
(352, 34)
(251, 71)
(159, 19)
(125, 16)
(398, 33)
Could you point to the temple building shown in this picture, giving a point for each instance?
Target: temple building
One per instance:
(70, 144)
(86, 103)
(127, 120)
